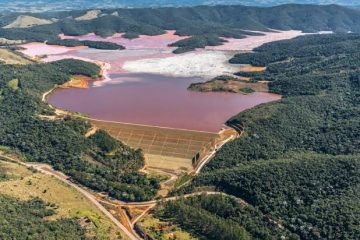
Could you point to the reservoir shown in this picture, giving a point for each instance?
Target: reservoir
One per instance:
(157, 100)
(147, 84)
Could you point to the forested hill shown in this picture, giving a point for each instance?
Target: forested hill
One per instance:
(298, 161)
(226, 21)
(98, 162)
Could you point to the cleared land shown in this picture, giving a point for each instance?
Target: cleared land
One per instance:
(249, 68)
(24, 21)
(164, 148)
(9, 41)
(9, 57)
(158, 229)
(77, 81)
(25, 184)
(89, 15)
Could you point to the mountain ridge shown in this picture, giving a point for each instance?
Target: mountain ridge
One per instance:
(51, 5)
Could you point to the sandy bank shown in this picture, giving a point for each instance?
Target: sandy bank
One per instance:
(206, 64)
(251, 42)
(77, 81)
(249, 68)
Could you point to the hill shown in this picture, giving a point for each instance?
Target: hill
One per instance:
(64, 207)
(51, 5)
(24, 21)
(204, 23)
(99, 162)
(299, 157)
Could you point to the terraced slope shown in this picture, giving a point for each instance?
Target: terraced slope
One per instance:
(163, 147)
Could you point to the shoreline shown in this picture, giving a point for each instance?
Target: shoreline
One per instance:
(105, 66)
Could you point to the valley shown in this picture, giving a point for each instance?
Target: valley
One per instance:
(208, 122)
(173, 142)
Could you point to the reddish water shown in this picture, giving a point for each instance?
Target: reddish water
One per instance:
(144, 98)
(143, 42)
(157, 100)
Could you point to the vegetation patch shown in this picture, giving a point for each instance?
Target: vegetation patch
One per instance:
(229, 84)
(190, 44)
(26, 219)
(66, 203)
(13, 84)
(91, 44)
(246, 90)
(8, 56)
(182, 180)
(159, 229)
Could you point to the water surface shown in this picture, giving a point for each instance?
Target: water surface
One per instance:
(158, 101)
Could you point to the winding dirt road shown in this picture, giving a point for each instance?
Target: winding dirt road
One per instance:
(46, 169)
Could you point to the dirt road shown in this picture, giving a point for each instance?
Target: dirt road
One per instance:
(46, 169)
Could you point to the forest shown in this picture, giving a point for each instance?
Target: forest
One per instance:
(90, 44)
(99, 162)
(220, 217)
(205, 25)
(298, 161)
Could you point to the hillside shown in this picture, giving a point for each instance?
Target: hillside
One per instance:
(24, 21)
(63, 206)
(99, 162)
(292, 172)
(298, 160)
(205, 23)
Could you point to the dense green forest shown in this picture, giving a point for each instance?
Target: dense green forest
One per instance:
(204, 23)
(99, 162)
(220, 217)
(90, 44)
(190, 44)
(26, 220)
(299, 160)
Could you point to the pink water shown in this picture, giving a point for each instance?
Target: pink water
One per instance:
(158, 101)
(144, 41)
(144, 98)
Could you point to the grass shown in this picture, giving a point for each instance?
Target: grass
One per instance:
(92, 14)
(9, 57)
(24, 21)
(169, 163)
(14, 84)
(246, 90)
(163, 230)
(185, 178)
(24, 184)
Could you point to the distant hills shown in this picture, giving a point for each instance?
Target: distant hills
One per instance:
(54, 5)
(205, 24)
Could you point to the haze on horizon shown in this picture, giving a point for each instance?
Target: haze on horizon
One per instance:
(52, 5)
